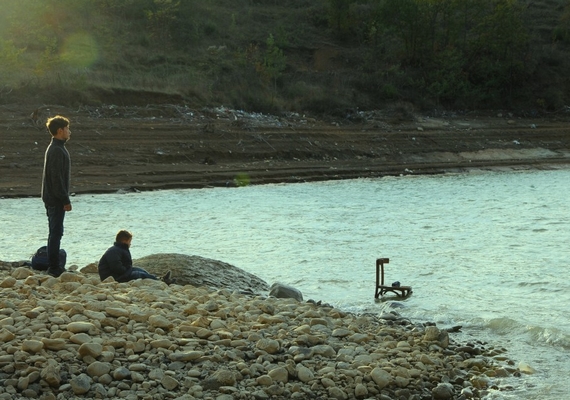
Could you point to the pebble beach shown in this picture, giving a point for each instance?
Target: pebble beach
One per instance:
(77, 337)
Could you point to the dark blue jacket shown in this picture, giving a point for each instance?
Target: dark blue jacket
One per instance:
(57, 174)
(116, 262)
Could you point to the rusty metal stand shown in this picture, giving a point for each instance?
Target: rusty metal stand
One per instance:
(381, 289)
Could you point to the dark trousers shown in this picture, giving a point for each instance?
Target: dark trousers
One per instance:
(55, 215)
(139, 273)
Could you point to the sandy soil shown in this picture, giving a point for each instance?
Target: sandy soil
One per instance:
(116, 148)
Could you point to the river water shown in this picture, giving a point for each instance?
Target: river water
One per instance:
(485, 250)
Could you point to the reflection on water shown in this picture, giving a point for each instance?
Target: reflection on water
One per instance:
(488, 251)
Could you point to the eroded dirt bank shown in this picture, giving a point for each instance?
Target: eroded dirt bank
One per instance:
(165, 146)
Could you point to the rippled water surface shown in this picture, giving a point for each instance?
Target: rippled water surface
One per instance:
(488, 251)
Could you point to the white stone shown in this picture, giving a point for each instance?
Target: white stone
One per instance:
(526, 368)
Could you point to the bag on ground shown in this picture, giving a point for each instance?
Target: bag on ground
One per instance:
(40, 260)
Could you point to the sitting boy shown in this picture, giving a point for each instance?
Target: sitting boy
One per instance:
(117, 262)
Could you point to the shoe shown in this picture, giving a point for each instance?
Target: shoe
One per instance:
(167, 278)
(55, 272)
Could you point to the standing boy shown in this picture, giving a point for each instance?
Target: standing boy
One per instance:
(55, 188)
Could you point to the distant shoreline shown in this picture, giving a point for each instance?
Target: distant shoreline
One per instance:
(319, 174)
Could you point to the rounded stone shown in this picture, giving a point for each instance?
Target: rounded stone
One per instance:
(218, 379)
(121, 373)
(116, 312)
(80, 338)
(304, 374)
(270, 346)
(360, 390)
(337, 393)
(90, 350)
(54, 344)
(169, 383)
(80, 327)
(381, 377)
(186, 356)
(80, 384)
(32, 346)
(443, 391)
(8, 282)
(264, 380)
(98, 368)
(159, 321)
(279, 374)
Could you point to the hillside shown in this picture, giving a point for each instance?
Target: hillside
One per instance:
(318, 57)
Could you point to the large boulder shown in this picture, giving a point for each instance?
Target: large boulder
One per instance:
(199, 271)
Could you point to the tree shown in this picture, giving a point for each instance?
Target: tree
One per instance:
(161, 17)
(274, 62)
(10, 61)
(499, 48)
(339, 16)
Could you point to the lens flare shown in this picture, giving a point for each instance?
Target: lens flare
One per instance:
(80, 50)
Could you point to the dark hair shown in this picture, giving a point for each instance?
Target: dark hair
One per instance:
(123, 236)
(53, 124)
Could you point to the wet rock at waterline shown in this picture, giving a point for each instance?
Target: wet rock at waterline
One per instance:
(283, 291)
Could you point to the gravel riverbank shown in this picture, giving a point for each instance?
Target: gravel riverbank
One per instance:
(76, 336)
